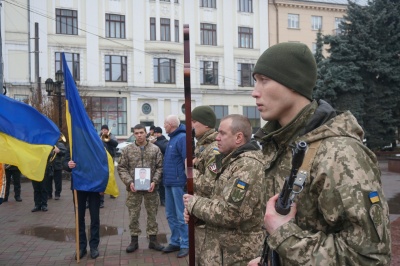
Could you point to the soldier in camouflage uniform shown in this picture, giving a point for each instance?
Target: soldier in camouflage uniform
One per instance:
(141, 154)
(341, 217)
(205, 171)
(233, 214)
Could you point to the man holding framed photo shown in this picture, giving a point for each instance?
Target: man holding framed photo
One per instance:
(140, 168)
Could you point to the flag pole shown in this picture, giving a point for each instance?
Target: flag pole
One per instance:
(76, 226)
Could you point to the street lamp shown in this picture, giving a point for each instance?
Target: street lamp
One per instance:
(55, 87)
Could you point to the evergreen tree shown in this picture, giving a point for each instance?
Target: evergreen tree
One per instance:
(362, 73)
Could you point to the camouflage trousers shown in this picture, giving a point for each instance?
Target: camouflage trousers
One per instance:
(199, 237)
(134, 204)
(229, 247)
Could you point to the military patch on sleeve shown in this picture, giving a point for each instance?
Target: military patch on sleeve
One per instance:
(374, 197)
(215, 151)
(213, 167)
(239, 191)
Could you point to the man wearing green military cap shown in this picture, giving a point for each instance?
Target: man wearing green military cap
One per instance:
(341, 216)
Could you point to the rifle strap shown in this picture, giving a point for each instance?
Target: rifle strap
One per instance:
(309, 157)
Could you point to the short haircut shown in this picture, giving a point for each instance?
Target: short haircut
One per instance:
(139, 126)
(240, 123)
(173, 120)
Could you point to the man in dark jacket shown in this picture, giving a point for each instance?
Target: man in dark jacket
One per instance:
(110, 143)
(162, 142)
(55, 172)
(174, 183)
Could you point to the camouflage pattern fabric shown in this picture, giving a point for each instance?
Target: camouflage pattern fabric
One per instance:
(234, 213)
(204, 174)
(337, 220)
(204, 171)
(133, 157)
(134, 203)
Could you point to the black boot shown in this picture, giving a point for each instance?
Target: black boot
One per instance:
(134, 245)
(18, 198)
(154, 243)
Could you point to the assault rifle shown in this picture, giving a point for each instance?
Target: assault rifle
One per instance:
(286, 196)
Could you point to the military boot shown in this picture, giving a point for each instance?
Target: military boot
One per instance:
(154, 243)
(134, 245)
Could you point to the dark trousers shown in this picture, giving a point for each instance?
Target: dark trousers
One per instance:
(94, 209)
(40, 193)
(16, 176)
(57, 176)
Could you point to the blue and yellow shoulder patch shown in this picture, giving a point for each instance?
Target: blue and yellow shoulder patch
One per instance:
(238, 191)
(215, 151)
(374, 197)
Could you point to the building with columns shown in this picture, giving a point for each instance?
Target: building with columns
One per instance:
(126, 56)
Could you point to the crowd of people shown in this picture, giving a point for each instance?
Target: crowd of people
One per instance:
(339, 216)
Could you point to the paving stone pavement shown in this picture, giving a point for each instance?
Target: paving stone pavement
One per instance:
(48, 238)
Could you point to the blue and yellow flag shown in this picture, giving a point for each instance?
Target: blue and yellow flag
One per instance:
(26, 137)
(94, 169)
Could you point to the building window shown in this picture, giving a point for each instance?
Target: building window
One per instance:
(66, 21)
(176, 30)
(245, 37)
(72, 62)
(208, 34)
(253, 115)
(338, 21)
(164, 70)
(220, 111)
(316, 22)
(208, 3)
(293, 21)
(246, 6)
(152, 29)
(165, 28)
(115, 26)
(176, 1)
(165, 0)
(245, 75)
(208, 73)
(314, 47)
(116, 68)
(108, 111)
(21, 98)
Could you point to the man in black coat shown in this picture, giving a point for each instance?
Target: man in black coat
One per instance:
(162, 143)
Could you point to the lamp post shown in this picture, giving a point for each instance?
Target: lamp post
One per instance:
(55, 87)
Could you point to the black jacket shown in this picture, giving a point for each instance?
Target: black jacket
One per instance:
(162, 143)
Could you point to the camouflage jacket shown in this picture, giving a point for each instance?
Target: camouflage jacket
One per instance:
(337, 222)
(133, 157)
(204, 171)
(234, 213)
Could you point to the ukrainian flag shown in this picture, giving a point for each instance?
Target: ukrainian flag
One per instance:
(94, 169)
(26, 137)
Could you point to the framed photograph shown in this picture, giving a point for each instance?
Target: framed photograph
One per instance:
(142, 178)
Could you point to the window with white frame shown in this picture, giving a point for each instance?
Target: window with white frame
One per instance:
(208, 3)
(115, 26)
(66, 21)
(116, 68)
(245, 6)
(164, 70)
(72, 62)
(245, 75)
(253, 115)
(208, 34)
(176, 30)
(314, 47)
(165, 29)
(245, 37)
(152, 29)
(338, 21)
(220, 111)
(208, 73)
(293, 21)
(316, 22)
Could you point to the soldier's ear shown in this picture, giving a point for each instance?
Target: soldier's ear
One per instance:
(239, 137)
